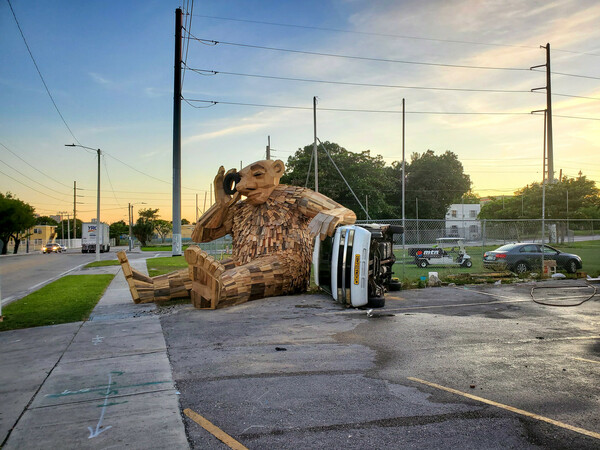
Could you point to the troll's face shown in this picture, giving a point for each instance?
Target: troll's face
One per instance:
(259, 179)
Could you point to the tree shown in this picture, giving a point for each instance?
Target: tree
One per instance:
(434, 183)
(16, 217)
(185, 222)
(45, 220)
(67, 226)
(365, 174)
(163, 227)
(143, 229)
(583, 201)
(117, 229)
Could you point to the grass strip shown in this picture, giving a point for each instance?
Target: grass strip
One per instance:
(109, 262)
(68, 299)
(162, 265)
(161, 248)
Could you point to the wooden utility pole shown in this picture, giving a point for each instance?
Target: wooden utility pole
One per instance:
(74, 209)
(176, 251)
(268, 147)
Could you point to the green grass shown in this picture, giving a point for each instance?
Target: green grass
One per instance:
(587, 250)
(159, 266)
(110, 262)
(161, 248)
(69, 299)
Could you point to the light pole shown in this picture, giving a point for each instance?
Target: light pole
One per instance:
(98, 226)
(130, 214)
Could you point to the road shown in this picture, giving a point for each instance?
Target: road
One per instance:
(475, 367)
(23, 274)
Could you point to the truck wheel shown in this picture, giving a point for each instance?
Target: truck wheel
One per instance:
(395, 286)
(422, 263)
(376, 302)
(468, 264)
(396, 229)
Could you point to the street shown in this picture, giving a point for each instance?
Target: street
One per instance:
(24, 273)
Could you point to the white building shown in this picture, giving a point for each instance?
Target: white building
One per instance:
(461, 221)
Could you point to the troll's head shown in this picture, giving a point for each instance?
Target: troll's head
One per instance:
(258, 180)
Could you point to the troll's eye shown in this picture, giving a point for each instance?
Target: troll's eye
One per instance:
(258, 174)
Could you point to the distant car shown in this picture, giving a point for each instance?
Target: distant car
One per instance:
(63, 247)
(52, 248)
(524, 257)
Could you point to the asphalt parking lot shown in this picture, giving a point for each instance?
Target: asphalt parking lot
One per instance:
(454, 367)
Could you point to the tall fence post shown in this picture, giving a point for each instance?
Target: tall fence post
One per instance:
(483, 239)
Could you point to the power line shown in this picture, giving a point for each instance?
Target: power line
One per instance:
(396, 86)
(367, 33)
(439, 113)
(188, 28)
(33, 189)
(29, 178)
(45, 174)
(362, 58)
(347, 83)
(399, 36)
(40, 73)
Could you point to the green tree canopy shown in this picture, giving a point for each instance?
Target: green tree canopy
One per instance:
(433, 183)
(118, 229)
(143, 229)
(364, 173)
(573, 198)
(16, 217)
(45, 220)
(67, 226)
(162, 227)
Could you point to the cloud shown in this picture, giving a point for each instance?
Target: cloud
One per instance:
(99, 78)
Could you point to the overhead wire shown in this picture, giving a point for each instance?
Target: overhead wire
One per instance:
(37, 182)
(34, 168)
(399, 36)
(40, 73)
(362, 58)
(395, 86)
(449, 113)
(33, 189)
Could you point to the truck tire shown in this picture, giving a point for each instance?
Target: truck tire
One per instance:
(468, 264)
(376, 302)
(395, 286)
(422, 263)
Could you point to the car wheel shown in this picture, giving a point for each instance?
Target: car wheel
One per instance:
(422, 263)
(468, 264)
(572, 266)
(521, 267)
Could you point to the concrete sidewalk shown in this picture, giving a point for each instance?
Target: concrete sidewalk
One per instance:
(105, 382)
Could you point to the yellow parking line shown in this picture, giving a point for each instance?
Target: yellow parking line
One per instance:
(510, 408)
(214, 430)
(586, 360)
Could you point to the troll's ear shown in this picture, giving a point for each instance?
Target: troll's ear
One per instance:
(278, 167)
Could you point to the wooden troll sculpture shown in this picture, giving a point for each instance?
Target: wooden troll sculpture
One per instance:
(273, 231)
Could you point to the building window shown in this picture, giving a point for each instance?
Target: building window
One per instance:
(453, 213)
(473, 214)
(473, 229)
(37, 231)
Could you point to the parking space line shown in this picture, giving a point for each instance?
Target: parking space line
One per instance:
(510, 408)
(586, 360)
(214, 430)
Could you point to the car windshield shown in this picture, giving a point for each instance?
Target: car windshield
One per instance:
(505, 248)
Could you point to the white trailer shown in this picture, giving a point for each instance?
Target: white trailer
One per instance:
(88, 237)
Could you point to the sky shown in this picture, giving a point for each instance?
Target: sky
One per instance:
(109, 68)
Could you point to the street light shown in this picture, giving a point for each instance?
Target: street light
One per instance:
(98, 226)
(130, 214)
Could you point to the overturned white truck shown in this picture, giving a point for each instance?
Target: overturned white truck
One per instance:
(355, 265)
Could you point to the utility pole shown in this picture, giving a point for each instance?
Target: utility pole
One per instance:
(403, 192)
(130, 217)
(196, 208)
(549, 147)
(176, 243)
(268, 147)
(74, 210)
(315, 145)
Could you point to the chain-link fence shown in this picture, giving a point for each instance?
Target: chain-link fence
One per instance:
(581, 237)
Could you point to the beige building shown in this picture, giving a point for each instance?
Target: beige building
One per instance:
(38, 236)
